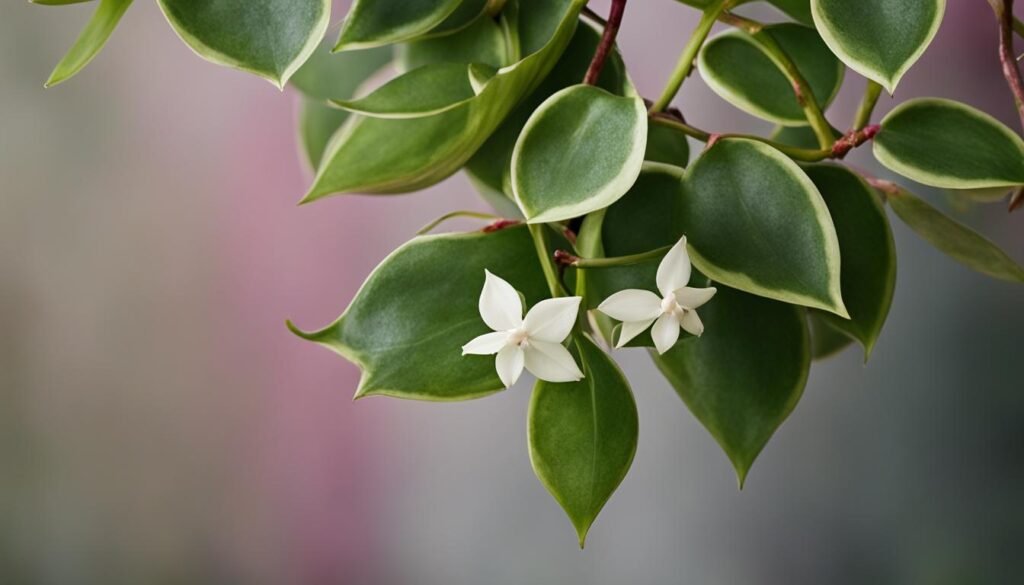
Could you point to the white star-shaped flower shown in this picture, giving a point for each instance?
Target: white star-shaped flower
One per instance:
(534, 341)
(637, 309)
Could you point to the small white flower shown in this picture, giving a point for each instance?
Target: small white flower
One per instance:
(534, 342)
(637, 309)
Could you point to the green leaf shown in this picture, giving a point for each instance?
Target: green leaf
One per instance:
(667, 145)
(745, 375)
(429, 90)
(268, 38)
(942, 143)
(407, 324)
(374, 23)
(58, 2)
(826, 341)
(483, 42)
(799, 136)
(491, 166)
(468, 12)
(798, 10)
(583, 436)
(327, 75)
(579, 152)
(757, 223)
(738, 68)
(880, 39)
(90, 41)
(869, 253)
(411, 154)
(955, 239)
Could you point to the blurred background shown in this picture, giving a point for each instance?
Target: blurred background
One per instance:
(158, 423)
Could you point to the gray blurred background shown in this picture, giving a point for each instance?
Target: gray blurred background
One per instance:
(158, 424)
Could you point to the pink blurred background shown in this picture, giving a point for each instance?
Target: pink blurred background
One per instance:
(158, 424)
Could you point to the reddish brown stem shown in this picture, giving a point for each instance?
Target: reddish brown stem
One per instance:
(611, 30)
(1006, 56)
(854, 139)
(499, 225)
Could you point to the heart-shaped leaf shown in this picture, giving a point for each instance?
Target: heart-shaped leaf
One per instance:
(583, 436)
(428, 90)
(739, 69)
(411, 154)
(867, 248)
(580, 151)
(374, 23)
(757, 223)
(491, 166)
(826, 341)
(269, 38)
(955, 239)
(745, 375)
(91, 40)
(407, 325)
(880, 39)
(942, 143)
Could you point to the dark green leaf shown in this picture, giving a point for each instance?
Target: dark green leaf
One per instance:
(743, 377)
(583, 436)
(579, 152)
(942, 143)
(464, 16)
(867, 248)
(269, 38)
(374, 23)
(428, 90)
(483, 42)
(667, 145)
(826, 341)
(91, 39)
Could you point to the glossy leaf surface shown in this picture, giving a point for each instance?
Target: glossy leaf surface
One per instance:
(942, 143)
(583, 436)
(745, 375)
(867, 248)
(880, 39)
(407, 325)
(737, 67)
(269, 38)
(580, 151)
(373, 23)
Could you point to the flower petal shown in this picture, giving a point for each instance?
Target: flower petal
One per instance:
(674, 270)
(500, 305)
(509, 364)
(486, 344)
(551, 320)
(692, 298)
(631, 305)
(551, 362)
(631, 329)
(692, 324)
(665, 332)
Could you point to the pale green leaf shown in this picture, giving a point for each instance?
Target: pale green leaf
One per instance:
(374, 23)
(90, 41)
(426, 91)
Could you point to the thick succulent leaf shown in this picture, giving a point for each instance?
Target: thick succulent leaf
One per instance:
(374, 23)
(583, 435)
(880, 39)
(426, 91)
(745, 375)
(757, 223)
(491, 166)
(580, 151)
(406, 326)
(955, 239)
(269, 38)
(90, 41)
(868, 271)
(826, 341)
(375, 155)
(483, 42)
(327, 75)
(942, 143)
(667, 145)
(737, 67)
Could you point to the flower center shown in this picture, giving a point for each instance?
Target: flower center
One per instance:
(518, 337)
(669, 305)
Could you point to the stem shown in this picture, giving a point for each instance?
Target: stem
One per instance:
(604, 48)
(751, 27)
(802, 90)
(540, 242)
(685, 64)
(867, 105)
(800, 154)
(1004, 11)
(597, 263)
(473, 214)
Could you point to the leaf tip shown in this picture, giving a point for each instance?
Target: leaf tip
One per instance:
(299, 332)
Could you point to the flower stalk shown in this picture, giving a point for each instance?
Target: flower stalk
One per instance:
(689, 54)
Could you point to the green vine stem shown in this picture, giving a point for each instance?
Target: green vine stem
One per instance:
(567, 259)
(540, 242)
(867, 105)
(686, 58)
(470, 214)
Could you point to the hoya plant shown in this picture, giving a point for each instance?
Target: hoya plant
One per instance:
(735, 263)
